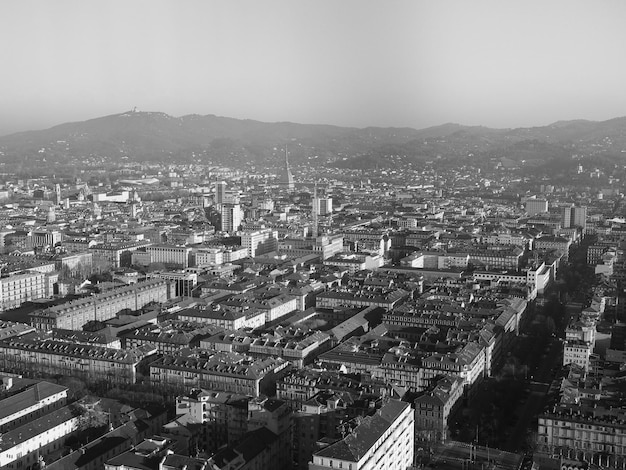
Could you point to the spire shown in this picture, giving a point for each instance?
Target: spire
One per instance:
(287, 177)
(316, 205)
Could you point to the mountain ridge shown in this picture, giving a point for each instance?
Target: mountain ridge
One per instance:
(140, 135)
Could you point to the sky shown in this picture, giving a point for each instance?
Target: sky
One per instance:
(404, 63)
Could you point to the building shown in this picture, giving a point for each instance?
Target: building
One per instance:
(295, 347)
(23, 445)
(170, 255)
(285, 179)
(580, 217)
(29, 402)
(323, 246)
(434, 407)
(384, 440)
(566, 216)
(33, 355)
(260, 242)
(226, 372)
(181, 284)
(41, 238)
(117, 254)
(577, 352)
(354, 262)
(73, 315)
(231, 217)
(536, 206)
(19, 288)
(228, 319)
(220, 193)
(585, 429)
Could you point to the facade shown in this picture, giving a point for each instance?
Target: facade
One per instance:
(170, 255)
(579, 217)
(231, 217)
(20, 288)
(587, 430)
(23, 445)
(74, 314)
(260, 242)
(31, 402)
(32, 355)
(386, 299)
(434, 407)
(225, 318)
(536, 206)
(577, 352)
(324, 246)
(226, 372)
(384, 440)
(355, 262)
(117, 254)
(181, 284)
(294, 349)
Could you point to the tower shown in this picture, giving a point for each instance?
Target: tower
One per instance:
(51, 216)
(286, 178)
(566, 216)
(231, 217)
(57, 193)
(316, 208)
(220, 192)
(580, 217)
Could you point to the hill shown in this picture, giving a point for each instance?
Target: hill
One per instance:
(154, 136)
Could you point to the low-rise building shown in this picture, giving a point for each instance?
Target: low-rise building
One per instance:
(32, 355)
(227, 372)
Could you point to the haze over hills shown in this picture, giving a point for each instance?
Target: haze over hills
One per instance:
(154, 136)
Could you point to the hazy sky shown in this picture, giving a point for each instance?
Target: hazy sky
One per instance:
(417, 63)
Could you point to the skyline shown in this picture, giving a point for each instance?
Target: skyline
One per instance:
(399, 64)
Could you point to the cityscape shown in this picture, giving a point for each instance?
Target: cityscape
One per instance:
(313, 235)
(161, 315)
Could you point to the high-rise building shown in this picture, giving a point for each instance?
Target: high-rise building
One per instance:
(220, 193)
(325, 205)
(566, 216)
(231, 218)
(580, 217)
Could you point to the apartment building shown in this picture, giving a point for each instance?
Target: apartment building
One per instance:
(117, 254)
(75, 314)
(228, 319)
(589, 429)
(31, 355)
(227, 372)
(384, 440)
(22, 446)
(434, 407)
(19, 288)
(26, 403)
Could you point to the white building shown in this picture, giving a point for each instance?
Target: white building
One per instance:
(231, 218)
(577, 352)
(170, 254)
(384, 440)
(260, 242)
